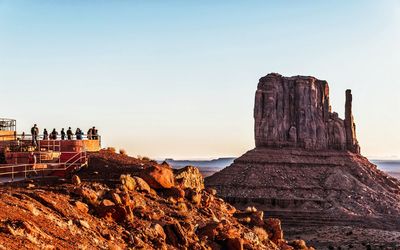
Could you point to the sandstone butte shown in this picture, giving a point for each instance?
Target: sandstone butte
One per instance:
(307, 170)
(120, 202)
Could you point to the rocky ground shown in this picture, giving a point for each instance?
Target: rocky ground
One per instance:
(346, 237)
(120, 202)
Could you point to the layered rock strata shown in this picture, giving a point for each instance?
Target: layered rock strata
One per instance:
(306, 168)
(296, 112)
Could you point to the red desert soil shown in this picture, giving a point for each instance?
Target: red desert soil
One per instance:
(120, 202)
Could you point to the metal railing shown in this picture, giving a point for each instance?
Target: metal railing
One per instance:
(24, 170)
(8, 124)
(20, 141)
(28, 137)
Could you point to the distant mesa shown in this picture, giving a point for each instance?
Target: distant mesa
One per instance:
(306, 168)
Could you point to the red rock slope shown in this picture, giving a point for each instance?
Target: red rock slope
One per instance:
(147, 207)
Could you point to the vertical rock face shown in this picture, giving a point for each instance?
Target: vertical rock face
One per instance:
(307, 168)
(295, 112)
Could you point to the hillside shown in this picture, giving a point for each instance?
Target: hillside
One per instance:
(120, 202)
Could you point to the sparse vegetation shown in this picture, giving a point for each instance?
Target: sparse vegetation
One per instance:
(111, 149)
(251, 209)
(143, 158)
(261, 233)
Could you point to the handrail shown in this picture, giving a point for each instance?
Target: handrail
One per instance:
(28, 137)
(70, 159)
(54, 167)
(8, 124)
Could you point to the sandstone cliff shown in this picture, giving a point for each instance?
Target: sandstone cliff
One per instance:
(307, 169)
(295, 112)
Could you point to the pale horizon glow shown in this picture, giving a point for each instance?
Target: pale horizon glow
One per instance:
(177, 79)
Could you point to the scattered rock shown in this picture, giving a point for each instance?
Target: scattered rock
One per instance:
(84, 224)
(116, 198)
(176, 193)
(141, 185)
(158, 177)
(107, 203)
(81, 207)
(234, 244)
(274, 229)
(175, 235)
(189, 177)
(76, 180)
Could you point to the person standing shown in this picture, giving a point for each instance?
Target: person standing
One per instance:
(89, 134)
(34, 133)
(45, 134)
(94, 133)
(69, 133)
(78, 134)
(62, 134)
(54, 134)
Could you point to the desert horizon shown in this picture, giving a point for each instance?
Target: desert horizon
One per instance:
(200, 125)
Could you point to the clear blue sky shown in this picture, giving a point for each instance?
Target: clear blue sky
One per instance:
(177, 78)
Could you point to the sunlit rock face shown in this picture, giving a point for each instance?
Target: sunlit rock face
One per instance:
(295, 112)
(306, 168)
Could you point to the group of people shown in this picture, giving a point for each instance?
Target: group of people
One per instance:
(92, 134)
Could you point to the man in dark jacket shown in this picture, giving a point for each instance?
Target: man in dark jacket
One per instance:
(69, 133)
(62, 134)
(54, 134)
(34, 133)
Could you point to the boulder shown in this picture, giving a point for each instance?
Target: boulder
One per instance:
(210, 230)
(107, 203)
(298, 244)
(234, 244)
(141, 185)
(175, 235)
(116, 198)
(134, 183)
(274, 229)
(193, 196)
(81, 207)
(128, 182)
(189, 177)
(158, 176)
(76, 180)
(176, 193)
(87, 194)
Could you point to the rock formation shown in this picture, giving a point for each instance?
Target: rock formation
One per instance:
(306, 168)
(295, 112)
(126, 212)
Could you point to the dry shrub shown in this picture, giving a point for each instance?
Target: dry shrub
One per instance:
(145, 158)
(111, 149)
(122, 151)
(251, 209)
(261, 233)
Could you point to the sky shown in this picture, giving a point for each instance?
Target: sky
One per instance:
(177, 78)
